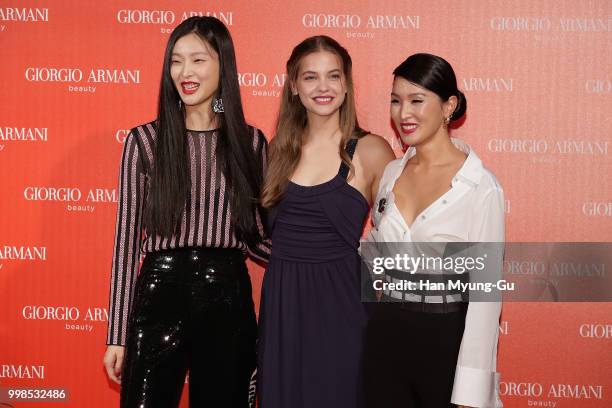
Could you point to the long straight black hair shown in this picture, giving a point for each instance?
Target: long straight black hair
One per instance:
(170, 181)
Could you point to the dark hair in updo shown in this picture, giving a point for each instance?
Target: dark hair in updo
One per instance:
(436, 75)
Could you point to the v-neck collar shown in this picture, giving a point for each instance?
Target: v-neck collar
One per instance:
(470, 172)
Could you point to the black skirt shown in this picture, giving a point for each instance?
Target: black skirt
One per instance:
(410, 355)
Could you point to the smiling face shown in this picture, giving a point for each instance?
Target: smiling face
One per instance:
(321, 83)
(194, 70)
(418, 114)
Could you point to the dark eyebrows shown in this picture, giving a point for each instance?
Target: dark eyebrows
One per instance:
(410, 95)
(333, 71)
(176, 54)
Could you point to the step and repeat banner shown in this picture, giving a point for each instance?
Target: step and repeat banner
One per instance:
(76, 76)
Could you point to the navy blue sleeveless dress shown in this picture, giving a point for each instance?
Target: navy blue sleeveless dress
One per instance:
(311, 315)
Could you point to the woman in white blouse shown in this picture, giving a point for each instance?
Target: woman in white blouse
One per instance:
(433, 351)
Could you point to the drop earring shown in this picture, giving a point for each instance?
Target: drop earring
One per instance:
(218, 105)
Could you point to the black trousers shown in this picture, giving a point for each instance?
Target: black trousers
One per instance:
(410, 356)
(192, 311)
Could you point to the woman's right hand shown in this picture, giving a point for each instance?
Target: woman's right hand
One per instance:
(113, 361)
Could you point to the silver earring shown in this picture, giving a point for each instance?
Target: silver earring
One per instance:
(180, 104)
(218, 105)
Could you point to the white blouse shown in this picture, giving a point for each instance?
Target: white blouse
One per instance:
(471, 211)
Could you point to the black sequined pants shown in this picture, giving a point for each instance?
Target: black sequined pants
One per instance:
(193, 311)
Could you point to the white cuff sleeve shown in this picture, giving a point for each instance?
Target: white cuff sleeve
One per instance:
(474, 387)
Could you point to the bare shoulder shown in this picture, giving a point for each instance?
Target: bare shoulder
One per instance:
(374, 150)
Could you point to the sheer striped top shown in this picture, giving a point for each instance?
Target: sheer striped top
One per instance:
(206, 220)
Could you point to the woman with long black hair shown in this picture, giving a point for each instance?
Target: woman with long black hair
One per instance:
(189, 183)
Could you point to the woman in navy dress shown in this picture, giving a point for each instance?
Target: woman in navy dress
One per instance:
(323, 172)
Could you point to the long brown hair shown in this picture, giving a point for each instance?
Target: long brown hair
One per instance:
(286, 147)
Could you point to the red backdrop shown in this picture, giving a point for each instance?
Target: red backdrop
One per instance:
(76, 76)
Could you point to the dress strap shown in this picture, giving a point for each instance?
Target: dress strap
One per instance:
(350, 150)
